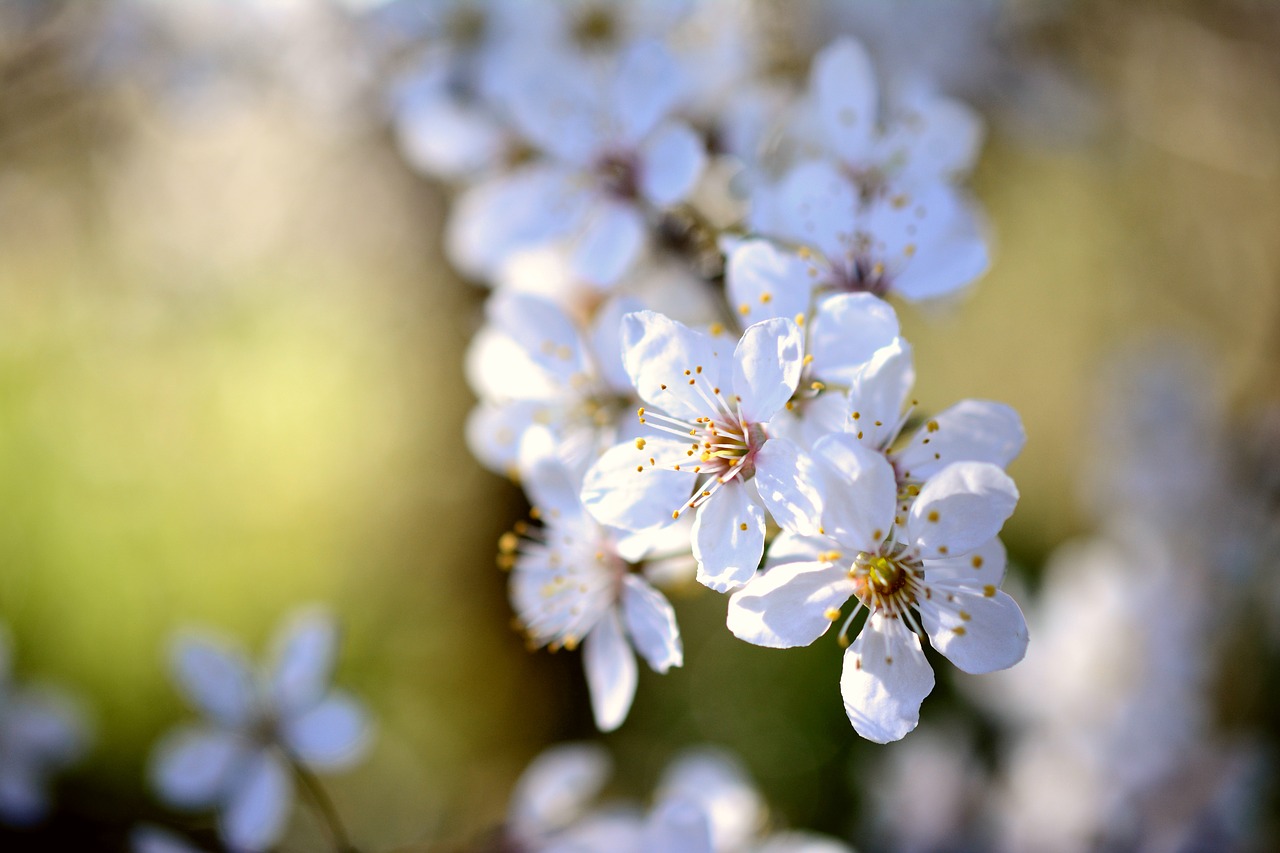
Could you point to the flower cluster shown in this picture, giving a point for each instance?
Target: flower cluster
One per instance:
(688, 359)
(704, 803)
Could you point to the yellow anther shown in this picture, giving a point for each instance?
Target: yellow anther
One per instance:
(832, 613)
(977, 561)
(744, 309)
(808, 359)
(816, 385)
(932, 426)
(640, 442)
(856, 415)
(640, 412)
(989, 591)
(742, 526)
(766, 298)
(933, 515)
(508, 542)
(799, 319)
(717, 329)
(959, 631)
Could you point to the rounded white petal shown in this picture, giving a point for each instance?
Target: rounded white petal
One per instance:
(303, 658)
(553, 486)
(258, 808)
(444, 137)
(843, 83)
(334, 733)
(610, 240)
(969, 431)
(492, 220)
(817, 206)
(494, 432)
(789, 547)
(878, 391)
(846, 333)
(885, 678)
(671, 160)
(860, 492)
(606, 343)
(939, 140)
(948, 252)
(983, 566)
(646, 87)
(557, 786)
(677, 826)
(657, 352)
(611, 672)
(215, 678)
(718, 783)
(960, 508)
(544, 332)
(192, 766)
(767, 364)
(618, 495)
(763, 281)
(728, 538)
(977, 632)
(651, 624)
(790, 485)
(789, 605)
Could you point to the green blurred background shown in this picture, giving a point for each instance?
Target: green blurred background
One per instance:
(230, 381)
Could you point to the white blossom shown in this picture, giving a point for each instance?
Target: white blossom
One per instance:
(716, 411)
(927, 563)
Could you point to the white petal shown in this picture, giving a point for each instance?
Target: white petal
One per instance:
(551, 484)
(728, 538)
(303, 658)
(993, 636)
(618, 495)
(611, 238)
(647, 86)
(878, 392)
(547, 335)
(444, 137)
(861, 492)
(558, 109)
(606, 343)
(969, 431)
(789, 605)
(611, 672)
(671, 160)
(843, 82)
(498, 368)
(983, 566)
(885, 679)
(817, 206)
(651, 624)
(846, 332)
(192, 766)
(763, 281)
(557, 786)
(677, 826)
(960, 508)
(947, 253)
(936, 139)
(789, 547)
(334, 733)
(258, 809)
(494, 432)
(24, 795)
(492, 220)
(718, 783)
(812, 418)
(790, 486)
(657, 352)
(767, 364)
(215, 678)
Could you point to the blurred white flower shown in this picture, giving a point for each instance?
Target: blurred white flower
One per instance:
(260, 727)
(42, 731)
(704, 803)
(572, 581)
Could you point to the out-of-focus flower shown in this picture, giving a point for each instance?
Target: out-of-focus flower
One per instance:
(572, 581)
(704, 802)
(611, 154)
(42, 731)
(260, 728)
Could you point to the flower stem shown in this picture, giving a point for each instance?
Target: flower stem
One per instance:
(323, 806)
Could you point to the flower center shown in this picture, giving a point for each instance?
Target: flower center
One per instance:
(617, 172)
(886, 581)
